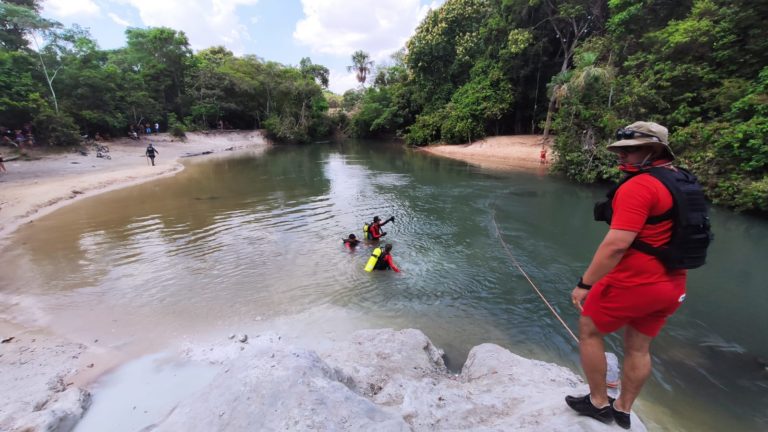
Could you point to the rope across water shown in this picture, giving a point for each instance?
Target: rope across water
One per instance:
(519, 267)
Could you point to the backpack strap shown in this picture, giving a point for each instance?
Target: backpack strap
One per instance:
(669, 179)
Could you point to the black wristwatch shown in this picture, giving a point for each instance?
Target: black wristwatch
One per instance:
(582, 285)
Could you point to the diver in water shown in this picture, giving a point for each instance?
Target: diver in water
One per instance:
(350, 242)
(385, 260)
(374, 231)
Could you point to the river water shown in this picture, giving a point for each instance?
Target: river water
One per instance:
(249, 242)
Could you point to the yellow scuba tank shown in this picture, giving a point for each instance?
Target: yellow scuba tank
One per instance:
(365, 231)
(373, 260)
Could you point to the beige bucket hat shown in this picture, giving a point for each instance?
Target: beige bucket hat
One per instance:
(640, 134)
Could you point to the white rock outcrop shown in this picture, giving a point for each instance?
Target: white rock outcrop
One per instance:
(381, 380)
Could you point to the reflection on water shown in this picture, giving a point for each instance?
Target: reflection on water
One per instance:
(120, 401)
(237, 242)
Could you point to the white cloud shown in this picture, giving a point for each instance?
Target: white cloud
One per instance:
(341, 81)
(205, 22)
(341, 27)
(119, 20)
(69, 8)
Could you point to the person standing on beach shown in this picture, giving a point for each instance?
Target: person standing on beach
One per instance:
(632, 282)
(151, 151)
(157, 127)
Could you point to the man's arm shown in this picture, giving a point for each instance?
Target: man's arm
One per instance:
(387, 221)
(392, 263)
(607, 255)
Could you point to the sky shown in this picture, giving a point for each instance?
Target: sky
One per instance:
(285, 31)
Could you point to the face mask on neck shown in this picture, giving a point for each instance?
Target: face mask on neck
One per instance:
(644, 165)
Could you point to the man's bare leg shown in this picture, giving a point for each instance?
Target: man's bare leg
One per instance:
(592, 350)
(637, 368)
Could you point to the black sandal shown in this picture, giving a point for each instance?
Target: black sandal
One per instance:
(622, 419)
(583, 405)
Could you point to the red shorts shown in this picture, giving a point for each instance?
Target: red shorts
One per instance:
(643, 307)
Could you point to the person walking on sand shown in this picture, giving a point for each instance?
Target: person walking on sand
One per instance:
(151, 151)
(637, 276)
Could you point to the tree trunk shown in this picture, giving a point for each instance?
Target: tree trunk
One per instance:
(550, 110)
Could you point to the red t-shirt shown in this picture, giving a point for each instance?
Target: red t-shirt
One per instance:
(388, 259)
(375, 230)
(637, 199)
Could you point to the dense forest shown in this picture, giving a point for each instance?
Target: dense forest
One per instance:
(576, 70)
(581, 69)
(57, 82)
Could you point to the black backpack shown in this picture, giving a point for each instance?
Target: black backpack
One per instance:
(691, 231)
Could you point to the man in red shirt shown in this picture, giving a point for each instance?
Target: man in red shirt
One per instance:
(622, 286)
(375, 228)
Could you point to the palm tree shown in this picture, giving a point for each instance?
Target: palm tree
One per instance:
(576, 80)
(362, 65)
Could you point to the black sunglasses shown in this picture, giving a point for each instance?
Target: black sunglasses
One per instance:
(626, 134)
(629, 149)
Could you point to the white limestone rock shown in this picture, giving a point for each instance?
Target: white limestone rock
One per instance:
(381, 380)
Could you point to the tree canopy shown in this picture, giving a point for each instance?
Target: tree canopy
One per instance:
(579, 69)
(58, 80)
(584, 68)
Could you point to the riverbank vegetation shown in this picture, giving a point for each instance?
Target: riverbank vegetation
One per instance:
(58, 83)
(580, 69)
(574, 69)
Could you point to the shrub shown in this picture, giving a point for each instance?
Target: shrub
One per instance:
(177, 128)
(55, 129)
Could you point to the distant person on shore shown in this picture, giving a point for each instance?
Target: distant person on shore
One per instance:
(147, 129)
(543, 156)
(19, 138)
(7, 136)
(151, 151)
(157, 128)
(2, 165)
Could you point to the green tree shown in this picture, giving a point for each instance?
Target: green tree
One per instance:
(17, 19)
(160, 56)
(362, 65)
(20, 93)
(572, 22)
(317, 72)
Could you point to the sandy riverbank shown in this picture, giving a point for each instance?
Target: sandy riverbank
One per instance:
(510, 152)
(33, 188)
(44, 373)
